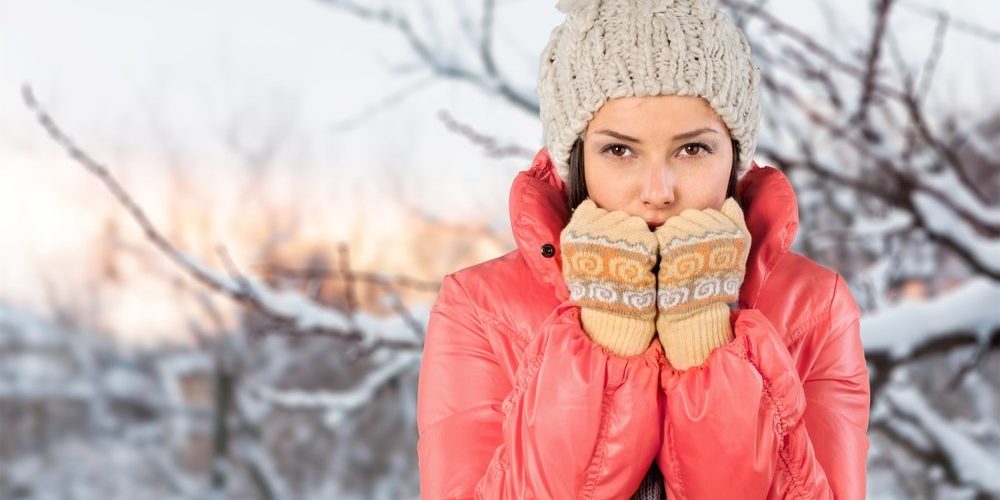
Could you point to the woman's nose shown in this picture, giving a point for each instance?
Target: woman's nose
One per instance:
(659, 189)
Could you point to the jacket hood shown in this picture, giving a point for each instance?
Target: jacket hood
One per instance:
(539, 212)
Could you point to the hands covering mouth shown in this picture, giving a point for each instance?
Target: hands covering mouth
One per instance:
(691, 264)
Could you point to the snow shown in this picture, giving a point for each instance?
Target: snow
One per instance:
(893, 222)
(338, 403)
(117, 424)
(975, 465)
(940, 220)
(308, 315)
(947, 182)
(18, 328)
(899, 329)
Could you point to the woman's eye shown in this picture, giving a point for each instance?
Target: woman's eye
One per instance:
(618, 150)
(693, 148)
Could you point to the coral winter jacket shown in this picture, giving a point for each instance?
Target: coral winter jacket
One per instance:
(515, 401)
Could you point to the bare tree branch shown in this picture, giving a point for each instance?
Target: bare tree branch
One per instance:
(489, 144)
(491, 81)
(298, 316)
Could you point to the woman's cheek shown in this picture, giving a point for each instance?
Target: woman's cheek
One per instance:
(702, 186)
(613, 191)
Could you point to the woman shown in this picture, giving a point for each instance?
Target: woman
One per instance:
(652, 317)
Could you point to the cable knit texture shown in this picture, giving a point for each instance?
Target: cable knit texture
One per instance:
(703, 255)
(606, 49)
(651, 487)
(608, 259)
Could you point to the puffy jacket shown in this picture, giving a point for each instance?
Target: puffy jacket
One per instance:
(516, 401)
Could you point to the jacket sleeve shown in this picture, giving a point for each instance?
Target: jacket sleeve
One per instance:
(576, 421)
(744, 425)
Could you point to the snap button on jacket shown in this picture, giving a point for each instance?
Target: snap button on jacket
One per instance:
(515, 401)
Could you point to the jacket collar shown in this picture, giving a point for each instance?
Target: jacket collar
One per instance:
(539, 212)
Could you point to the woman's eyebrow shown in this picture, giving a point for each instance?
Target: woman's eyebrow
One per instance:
(619, 136)
(685, 135)
(688, 135)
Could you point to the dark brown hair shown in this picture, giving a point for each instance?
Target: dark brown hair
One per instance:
(578, 185)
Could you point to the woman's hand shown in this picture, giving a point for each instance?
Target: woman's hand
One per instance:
(703, 255)
(607, 262)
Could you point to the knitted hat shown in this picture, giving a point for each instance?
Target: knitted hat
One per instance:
(606, 49)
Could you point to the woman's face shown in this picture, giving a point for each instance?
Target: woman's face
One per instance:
(655, 156)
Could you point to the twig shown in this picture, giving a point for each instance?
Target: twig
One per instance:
(491, 81)
(489, 144)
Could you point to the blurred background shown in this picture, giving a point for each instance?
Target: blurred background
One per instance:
(223, 225)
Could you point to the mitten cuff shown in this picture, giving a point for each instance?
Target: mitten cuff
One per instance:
(622, 335)
(687, 341)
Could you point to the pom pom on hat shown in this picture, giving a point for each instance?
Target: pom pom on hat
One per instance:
(570, 6)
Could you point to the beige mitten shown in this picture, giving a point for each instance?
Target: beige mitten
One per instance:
(703, 255)
(608, 259)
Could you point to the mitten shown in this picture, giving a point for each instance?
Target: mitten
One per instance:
(608, 259)
(703, 255)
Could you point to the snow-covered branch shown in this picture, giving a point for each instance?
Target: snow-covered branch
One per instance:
(287, 311)
(336, 404)
(970, 463)
(905, 328)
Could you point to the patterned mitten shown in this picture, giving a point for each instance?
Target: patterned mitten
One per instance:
(703, 255)
(608, 260)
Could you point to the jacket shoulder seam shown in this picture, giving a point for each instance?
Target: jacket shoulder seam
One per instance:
(855, 317)
(796, 333)
(467, 297)
(487, 318)
(512, 333)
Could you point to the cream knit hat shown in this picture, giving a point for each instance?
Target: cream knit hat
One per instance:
(606, 49)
